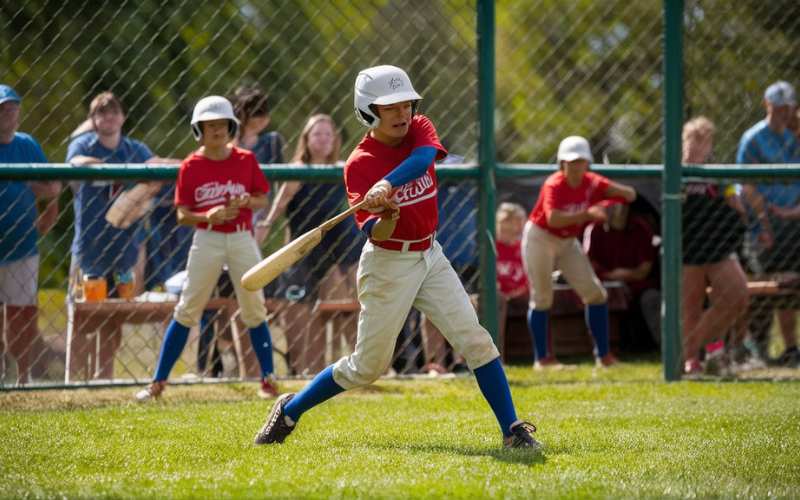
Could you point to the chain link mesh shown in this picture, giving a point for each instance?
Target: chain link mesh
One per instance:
(563, 68)
(159, 59)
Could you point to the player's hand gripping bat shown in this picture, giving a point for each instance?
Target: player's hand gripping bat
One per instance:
(270, 268)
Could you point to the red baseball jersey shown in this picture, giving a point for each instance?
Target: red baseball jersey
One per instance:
(204, 183)
(557, 194)
(372, 160)
(510, 270)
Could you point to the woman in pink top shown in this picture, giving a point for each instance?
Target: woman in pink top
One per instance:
(568, 201)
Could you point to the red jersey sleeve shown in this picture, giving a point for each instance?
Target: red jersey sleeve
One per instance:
(259, 183)
(424, 134)
(183, 192)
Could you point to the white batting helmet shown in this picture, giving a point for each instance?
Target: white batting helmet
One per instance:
(381, 85)
(213, 107)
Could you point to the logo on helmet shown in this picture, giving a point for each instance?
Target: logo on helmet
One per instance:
(395, 83)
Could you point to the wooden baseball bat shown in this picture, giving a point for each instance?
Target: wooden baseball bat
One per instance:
(270, 268)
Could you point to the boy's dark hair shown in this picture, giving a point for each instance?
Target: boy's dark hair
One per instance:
(249, 102)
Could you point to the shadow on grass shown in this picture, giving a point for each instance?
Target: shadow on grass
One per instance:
(512, 456)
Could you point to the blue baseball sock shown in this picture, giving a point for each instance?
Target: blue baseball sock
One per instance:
(321, 389)
(262, 345)
(494, 386)
(537, 323)
(174, 341)
(597, 321)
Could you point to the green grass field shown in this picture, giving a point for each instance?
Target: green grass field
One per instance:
(610, 433)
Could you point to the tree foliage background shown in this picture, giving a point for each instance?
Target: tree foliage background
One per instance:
(563, 67)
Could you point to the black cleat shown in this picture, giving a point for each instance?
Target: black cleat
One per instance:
(275, 428)
(521, 437)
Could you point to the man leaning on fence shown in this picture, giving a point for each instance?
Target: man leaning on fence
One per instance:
(20, 228)
(778, 244)
(99, 249)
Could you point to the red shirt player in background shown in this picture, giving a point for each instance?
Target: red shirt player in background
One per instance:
(402, 265)
(218, 187)
(512, 282)
(568, 200)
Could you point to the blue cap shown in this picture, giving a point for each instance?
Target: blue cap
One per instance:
(780, 93)
(8, 94)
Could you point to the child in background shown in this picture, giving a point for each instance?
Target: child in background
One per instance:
(511, 279)
(512, 283)
(568, 200)
(218, 187)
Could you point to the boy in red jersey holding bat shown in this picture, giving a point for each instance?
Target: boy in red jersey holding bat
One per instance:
(401, 265)
(218, 187)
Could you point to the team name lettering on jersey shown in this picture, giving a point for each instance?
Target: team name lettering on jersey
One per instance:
(572, 208)
(415, 191)
(214, 192)
(510, 270)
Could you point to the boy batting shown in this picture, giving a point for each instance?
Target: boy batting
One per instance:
(218, 187)
(401, 264)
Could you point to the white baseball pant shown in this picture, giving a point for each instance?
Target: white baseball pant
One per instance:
(210, 250)
(543, 252)
(389, 284)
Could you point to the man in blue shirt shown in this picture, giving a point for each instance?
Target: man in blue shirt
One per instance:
(20, 227)
(99, 249)
(770, 141)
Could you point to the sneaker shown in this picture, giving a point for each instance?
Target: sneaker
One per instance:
(692, 367)
(276, 428)
(434, 369)
(151, 392)
(548, 363)
(790, 358)
(521, 436)
(751, 363)
(269, 388)
(606, 361)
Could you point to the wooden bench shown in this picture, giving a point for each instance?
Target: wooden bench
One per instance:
(329, 310)
(95, 358)
(570, 336)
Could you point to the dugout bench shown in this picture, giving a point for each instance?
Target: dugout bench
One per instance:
(569, 334)
(94, 332)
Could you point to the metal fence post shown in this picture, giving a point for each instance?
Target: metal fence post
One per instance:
(671, 213)
(486, 159)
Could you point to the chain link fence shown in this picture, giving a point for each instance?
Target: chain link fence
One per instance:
(596, 69)
(158, 60)
(562, 68)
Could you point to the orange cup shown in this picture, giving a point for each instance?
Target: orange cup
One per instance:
(94, 289)
(125, 290)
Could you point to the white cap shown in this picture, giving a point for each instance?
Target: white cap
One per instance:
(213, 107)
(381, 85)
(574, 147)
(780, 93)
